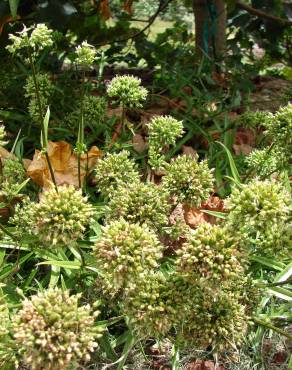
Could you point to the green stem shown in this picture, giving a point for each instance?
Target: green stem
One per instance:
(272, 327)
(123, 116)
(41, 116)
(7, 232)
(80, 140)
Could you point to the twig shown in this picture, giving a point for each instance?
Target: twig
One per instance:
(259, 13)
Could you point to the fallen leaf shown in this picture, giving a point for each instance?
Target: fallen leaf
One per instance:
(194, 216)
(128, 6)
(188, 150)
(64, 163)
(139, 144)
(105, 9)
(242, 149)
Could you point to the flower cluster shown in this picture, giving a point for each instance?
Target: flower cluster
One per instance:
(45, 89)
(265, 162)
(216, 320)
(162, 131)
(13, 171)
(254, 120)
(128, 90)
(188, 180)
(279, 129)
(7, 355)
(140, 203)
(36, 38)
(94, 110)
(114, 171)
(259, 211)
(85, 55)
(211, 253)
(127, 251)
(148, 306)
(2, 136)
(59, 219)
(53, 331)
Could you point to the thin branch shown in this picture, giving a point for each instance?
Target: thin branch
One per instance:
(162, 5)
(259, 13)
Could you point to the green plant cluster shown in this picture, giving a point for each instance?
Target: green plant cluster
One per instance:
(60, 218)
(163, 131)
(188, 180)
(2, 136)
(52, 331)
(45, 89)
(259, 213)
(115, 171)
(85, 55)
(128, 90)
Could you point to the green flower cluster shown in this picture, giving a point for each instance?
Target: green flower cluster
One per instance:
(127, 252)
(7, 355)
(59, 219)
(13, 171)
(115, 171)
(162, 131)
(210, 254)
(45, 89)
(216, 320)
(255, 120)
(279, 129)
(267, 161)
(139, 202)
(2, 136)
(36, 38)
(259, 212)
(128, 90)
(188, 180)
(53, 332)
(85, 55)
(94, 111)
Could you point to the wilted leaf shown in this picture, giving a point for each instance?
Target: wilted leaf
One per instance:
(64, 162)
(139, 144)
(128, 6)
(105, 9)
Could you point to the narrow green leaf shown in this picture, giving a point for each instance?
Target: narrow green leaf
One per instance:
(281, 293)
(129, 344)
(275, 265)
(44, 134)
(65, 264)
(232, 165)
(215, 213)
(13, 4)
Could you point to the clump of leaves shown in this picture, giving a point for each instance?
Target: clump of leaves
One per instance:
(59, 219)
(188, 180)
(52, 331)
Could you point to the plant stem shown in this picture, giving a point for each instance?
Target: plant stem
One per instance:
(7, 232)
(80, 140)
(123, 116)
(272, 327)
(41, 116)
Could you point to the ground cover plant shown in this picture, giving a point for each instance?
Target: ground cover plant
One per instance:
(145, 221)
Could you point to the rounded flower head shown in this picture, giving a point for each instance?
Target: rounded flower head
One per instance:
(126, 251)
(216, 321)
(140, 203)
(211, 253)
(52, 331)
(115, 170)
(13, 171)
(147, 305)
(259, 210)
(188, 180)
(58, 219)
(265, 162)
(280, 127)
(254, 120)
(128, 90)
(163, 131)
(2, 136)
(38, 39)
(85, 55)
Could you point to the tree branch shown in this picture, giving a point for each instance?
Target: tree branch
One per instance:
(259, 13)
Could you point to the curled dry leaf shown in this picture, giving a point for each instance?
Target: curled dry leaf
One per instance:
(204, 365)
(139, 144)
(64, 162)
(195, 216)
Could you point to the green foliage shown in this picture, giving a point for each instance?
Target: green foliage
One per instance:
(162, 132)
(85, 55)
(59, 219)
(188, 180)
(13, 171)
(259, 212)
(53, 331)
(128, 90)
(255, 120)
(115, 171)
(2, 136)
